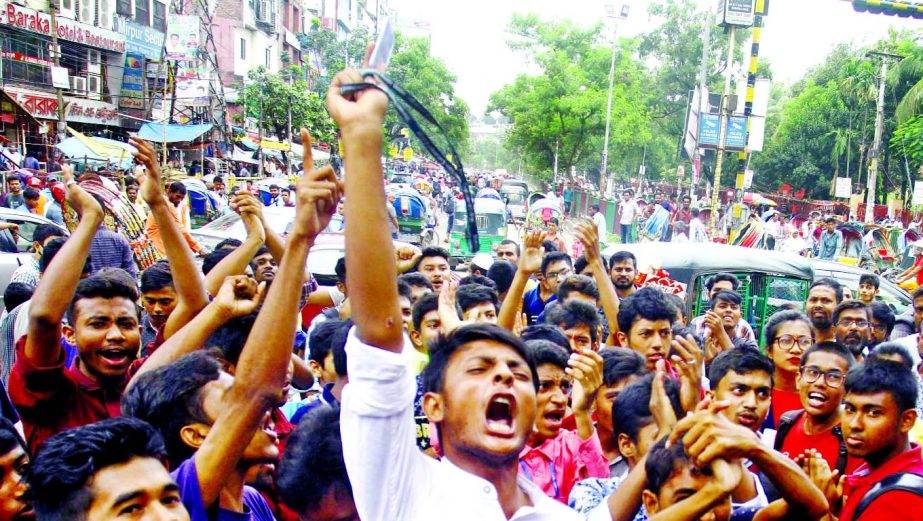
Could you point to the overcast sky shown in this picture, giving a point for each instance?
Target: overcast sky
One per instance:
(470, 36)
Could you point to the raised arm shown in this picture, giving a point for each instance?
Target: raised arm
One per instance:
(372, 285)
(187, 280)
(236, 262)
(530, 260)
(59, 281)
(586, 232)
(263, 363)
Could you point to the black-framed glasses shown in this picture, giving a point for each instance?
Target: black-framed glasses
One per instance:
(832, 378)
(788, 341)
(850, 322)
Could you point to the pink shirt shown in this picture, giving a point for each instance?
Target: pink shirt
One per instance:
(560, 462)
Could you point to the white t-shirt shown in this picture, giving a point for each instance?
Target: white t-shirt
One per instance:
(629, 209)
(600, 221)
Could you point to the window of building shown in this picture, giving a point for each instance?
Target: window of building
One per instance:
(67, 5)
(296, 20)
(267, 58)
(123, 7)
(285, 13)
(243, 49)
(143, 12)
(27, 61)
(160, 16)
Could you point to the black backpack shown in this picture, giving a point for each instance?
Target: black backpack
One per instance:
(905, 481)
(790, 418)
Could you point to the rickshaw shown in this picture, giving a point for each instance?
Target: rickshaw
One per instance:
(535, 197)
(879, 248)
(411, 214)
(203, 208)
(488, 193)
(541, 211)
(490, 217)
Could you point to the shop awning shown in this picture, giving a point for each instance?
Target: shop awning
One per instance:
(160, 133)
(97, 149)
(6, 96)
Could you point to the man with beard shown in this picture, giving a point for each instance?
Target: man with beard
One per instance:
(824, 296)
(481, 383)
(623, 270)
(852, 322)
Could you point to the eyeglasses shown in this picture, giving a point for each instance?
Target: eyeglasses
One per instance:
(849, 322)
(833, 378)
(558, 274)
(788, 341)
(878, 326)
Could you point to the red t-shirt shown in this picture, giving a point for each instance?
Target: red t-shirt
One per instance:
(826, 443)
(782, 402)
(919, 264)
(891, 505)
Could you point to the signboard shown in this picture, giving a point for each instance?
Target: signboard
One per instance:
(192, 93)
(680, 171)
(183, 37)
(917, 193)
(132, 94)
(843, 188)
(45, 106)
(709, 129)
(59, 77)
(26, 19)
(736, 135)
(140, 39)
(738, 12)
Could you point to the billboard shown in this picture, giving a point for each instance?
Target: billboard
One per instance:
(183, 37)
(132, 94)
(738, 12)
(736, 134)
(709, 129)
(192, 93)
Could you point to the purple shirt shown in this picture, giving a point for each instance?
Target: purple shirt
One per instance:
(256, 508)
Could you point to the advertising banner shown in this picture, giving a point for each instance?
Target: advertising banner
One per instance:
(132, 93)
(71, 30)
(183, 37)
(140, 39)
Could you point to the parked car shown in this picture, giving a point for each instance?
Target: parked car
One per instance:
(888, 292)
(27, 223)
(229, 226)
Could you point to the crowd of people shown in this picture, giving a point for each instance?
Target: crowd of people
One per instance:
(544, 387)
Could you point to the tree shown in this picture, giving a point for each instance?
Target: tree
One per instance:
(328, 55)
(267, 99)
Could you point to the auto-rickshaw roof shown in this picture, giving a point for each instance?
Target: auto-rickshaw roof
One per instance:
(683, 260)
(483, 205)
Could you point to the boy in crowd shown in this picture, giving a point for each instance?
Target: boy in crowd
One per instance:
(480, 382)
(722, 323)
(868, 288)
(646, 325)
(419, 285)
(555, 267)
(621, 368)
(29, 272)
(824, 296)
(478, 303)
(880, 410)
(721, 282)
(501, 272)
(111, 469)
(434, 265)
(852, 320)
(15, 501)
(568, 455)
(882, 323)
(158, 299)
(817, 425)
(579, 321)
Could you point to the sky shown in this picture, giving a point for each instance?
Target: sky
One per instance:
(470, 35)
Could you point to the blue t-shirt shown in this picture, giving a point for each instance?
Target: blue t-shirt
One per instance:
(256, 508)
(532, 304)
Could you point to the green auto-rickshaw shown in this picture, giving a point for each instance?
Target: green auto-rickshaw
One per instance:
(490, 216)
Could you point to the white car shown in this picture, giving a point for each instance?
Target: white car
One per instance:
(27, 223)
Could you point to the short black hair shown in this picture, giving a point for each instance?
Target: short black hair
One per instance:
(102, 285)
(620, 363)
(877, 376)
(471, 295)
(581, 263)
(850, 304)
(446, 346)
(61, 475)
(775, 321)
(830, 283)
(890, 349)
(43, 232)
(868, 278)
(229, 243)
(727, 296)
(580, 284)
(30, 193)
(646, 303)
(664, 462)
(16, 293)
(319, 341)
(502, 273)
(263, 250)
(546, 332)
(722, 277)
(170, 398)
(49, 251)
(157, 276)
(622, 256)
(546, 352)
(213, 258)
(426, 304)
(177, 187)
(741, 360)
(338, 346)
(340, 270)
(884, 314)
(10, 437)
(549, 246)
(917, 293)
(834, 348)
(553, 257)
(314, 454)
(229, 339)
(433, 251)
(631, 410)
(571, 313)
(403, 290)
(477, 279)
(413, 279)
(505, 242)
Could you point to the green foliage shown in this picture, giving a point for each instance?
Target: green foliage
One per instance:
(908, 141)
(267, 99)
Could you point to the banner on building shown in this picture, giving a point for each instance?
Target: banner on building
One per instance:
(132, 94)
(183, 37)
(192, 93)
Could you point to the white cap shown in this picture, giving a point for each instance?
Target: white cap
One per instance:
(483, 261)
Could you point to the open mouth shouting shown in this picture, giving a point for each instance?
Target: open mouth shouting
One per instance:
(500, 413)
(817, 399)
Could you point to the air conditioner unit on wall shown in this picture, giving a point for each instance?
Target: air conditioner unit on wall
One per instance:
(94, 87)
(105, 13)
(78, 84)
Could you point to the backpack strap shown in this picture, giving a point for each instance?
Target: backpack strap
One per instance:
(905, 481)
(786, 422)
(842, 455)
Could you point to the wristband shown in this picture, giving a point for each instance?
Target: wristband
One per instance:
(69, 183)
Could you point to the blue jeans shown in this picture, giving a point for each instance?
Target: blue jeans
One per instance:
(451, 223)
(625, 230)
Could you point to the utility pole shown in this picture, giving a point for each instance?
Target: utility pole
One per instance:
(289, 155)
(557, 143)
(259, 146)
(722, 131)
(603, 168)
(56, 54)
(703, 86)
(875, 153)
